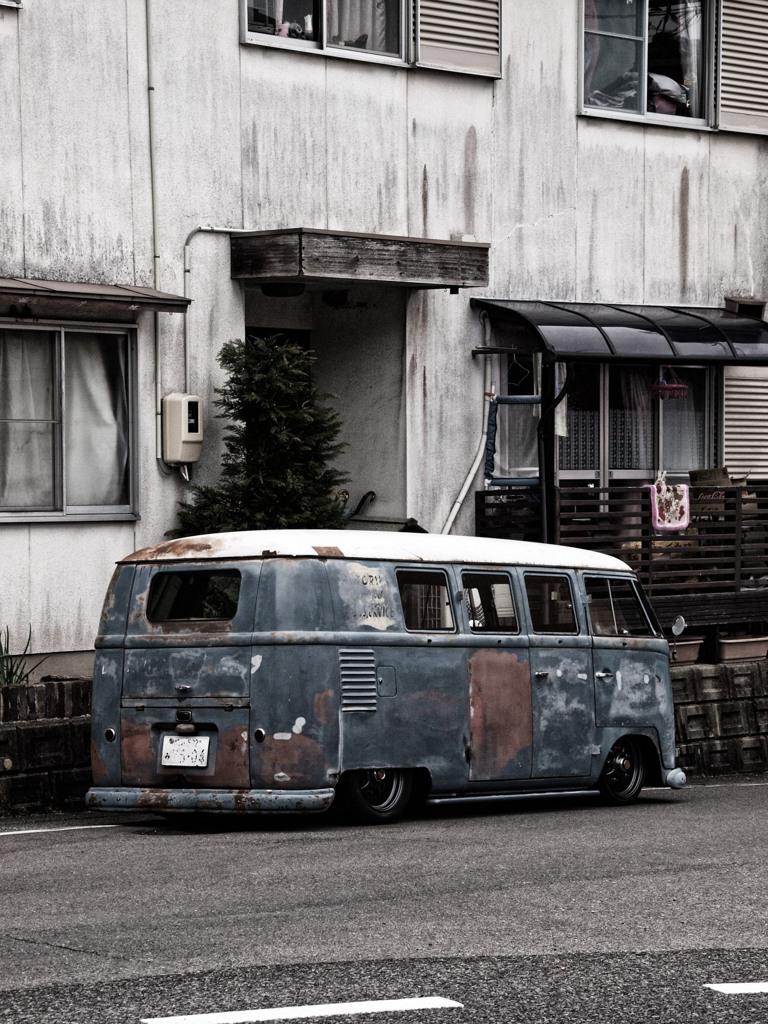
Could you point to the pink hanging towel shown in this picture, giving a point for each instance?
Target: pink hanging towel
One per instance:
(670, 507)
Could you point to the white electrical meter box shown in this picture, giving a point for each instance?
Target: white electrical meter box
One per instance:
(182, 429)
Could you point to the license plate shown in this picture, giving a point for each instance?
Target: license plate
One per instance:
(184, 751)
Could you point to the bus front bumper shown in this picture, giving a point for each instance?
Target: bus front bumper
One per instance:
(226, 801)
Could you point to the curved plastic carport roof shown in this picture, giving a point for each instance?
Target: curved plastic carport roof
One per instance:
(568, 331)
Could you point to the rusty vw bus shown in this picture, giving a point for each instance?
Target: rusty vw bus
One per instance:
(279, 671)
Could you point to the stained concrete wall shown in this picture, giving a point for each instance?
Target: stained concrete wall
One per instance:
(254, 137)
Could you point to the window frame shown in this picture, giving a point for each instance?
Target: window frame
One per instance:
(426, 571)
(493, 577)
(711, 61)
(82, 513)
(186, 576)
(654, 630)
(478, 54)
(543, 574)
(603, 474)
(324, 49)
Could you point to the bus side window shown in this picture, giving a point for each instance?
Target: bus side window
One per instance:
(615, 608)
(551, 604)
(425, 600)
(490, 605)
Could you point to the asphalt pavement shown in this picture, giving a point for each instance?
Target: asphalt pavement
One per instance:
(531, 911)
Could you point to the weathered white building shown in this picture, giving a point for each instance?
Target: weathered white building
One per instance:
(280, 165)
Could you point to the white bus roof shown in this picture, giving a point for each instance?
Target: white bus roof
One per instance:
(374, 545)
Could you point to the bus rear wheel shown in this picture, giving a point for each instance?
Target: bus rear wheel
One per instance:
(623, 773)
(377, 795)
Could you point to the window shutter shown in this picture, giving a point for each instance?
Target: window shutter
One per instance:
(746, 421)
(460, 35)
(744, 65)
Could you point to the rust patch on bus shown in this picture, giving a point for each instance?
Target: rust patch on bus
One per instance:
(296, 763)
(324, 707)
(184, 547)
(228, 767)
(501, 725)
(137, 759)
(98, 768)
(329, 552)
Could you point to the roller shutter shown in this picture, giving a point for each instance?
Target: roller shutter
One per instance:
(746, 421)
(459, 35)
(744, 65)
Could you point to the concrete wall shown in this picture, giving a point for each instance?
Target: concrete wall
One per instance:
(252, 137)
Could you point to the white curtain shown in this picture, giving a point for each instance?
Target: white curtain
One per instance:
(26, 419)
(96, 419)
(348, 20)
(631, 425)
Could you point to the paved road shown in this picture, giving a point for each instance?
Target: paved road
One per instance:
(537, 911)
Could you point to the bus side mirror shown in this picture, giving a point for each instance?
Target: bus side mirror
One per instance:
(678, 625)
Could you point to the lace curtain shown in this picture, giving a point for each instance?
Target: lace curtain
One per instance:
(96, 424)
(27, 431)
(350, 20)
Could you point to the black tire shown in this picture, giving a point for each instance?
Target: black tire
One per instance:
(623, 772)
(377, 795)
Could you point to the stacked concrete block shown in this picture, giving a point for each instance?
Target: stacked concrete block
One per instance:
(44, 745)
(721, 717)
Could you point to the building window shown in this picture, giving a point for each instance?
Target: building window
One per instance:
(701, 63)
(646, 58)
(65, 423)
(616, 427)
(455, 37)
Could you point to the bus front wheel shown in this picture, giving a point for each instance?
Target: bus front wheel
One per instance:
(623, 773)
(377, 795)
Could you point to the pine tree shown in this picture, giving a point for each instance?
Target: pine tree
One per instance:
(279, 446)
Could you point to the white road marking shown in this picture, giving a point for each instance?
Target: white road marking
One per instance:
(299, 1012)
(59, 828)
(740, 987)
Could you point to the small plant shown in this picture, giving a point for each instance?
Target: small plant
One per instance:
(13, 670)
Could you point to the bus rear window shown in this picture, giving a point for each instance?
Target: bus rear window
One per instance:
(184, 595)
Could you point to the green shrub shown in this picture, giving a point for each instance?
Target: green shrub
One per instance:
(279, 446)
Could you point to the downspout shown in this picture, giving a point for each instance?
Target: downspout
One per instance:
(484, 433)
(208, 229)
(155, 245)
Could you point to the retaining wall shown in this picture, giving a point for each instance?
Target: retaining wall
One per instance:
(721, 721)
(45, 745)
(721, 717)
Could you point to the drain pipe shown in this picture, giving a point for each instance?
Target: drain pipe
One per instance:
(207, 229)
(155, 245)
(484, 433)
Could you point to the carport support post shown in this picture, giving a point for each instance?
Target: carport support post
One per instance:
(546, 451)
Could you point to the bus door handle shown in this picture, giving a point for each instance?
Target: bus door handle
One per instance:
(603, 675)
